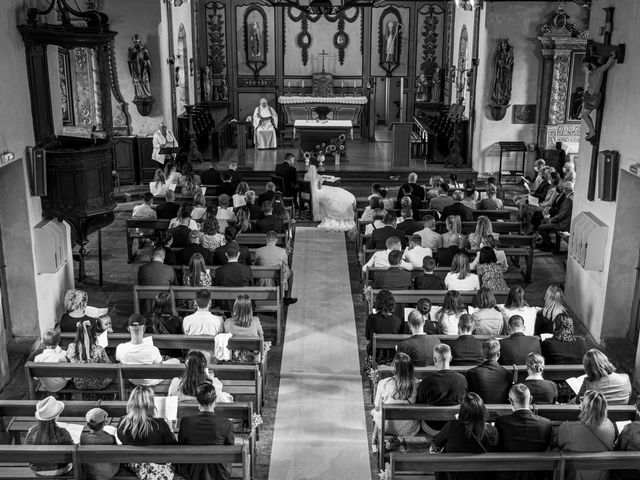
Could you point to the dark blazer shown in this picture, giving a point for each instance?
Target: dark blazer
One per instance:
(515, 348)
(541, 192)
(466, 350)
(429, 282)
(556, 352)
(236, 178)
(255, 211)
(211, 177)
(417, 194)
(444, 387)
(409, 226)
(290, 175)
(206, 428)
(156, 274)
(180, 236)
(523, 431)
(378, 239)
(233, 274)
(419, 348)
(184, 255)
(458, 208)
(268, 223)
(220, 255)
(167, 210)
(444, 256)
(542, 391)
(265, 197)
(563, 218)
(394, 278)
(226, 188)
(491, 381)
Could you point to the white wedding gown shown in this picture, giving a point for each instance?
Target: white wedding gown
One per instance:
(334, 208)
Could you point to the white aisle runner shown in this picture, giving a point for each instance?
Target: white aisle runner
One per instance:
(320, 430)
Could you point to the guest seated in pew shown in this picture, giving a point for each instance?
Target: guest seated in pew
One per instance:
(165, 240)
(238, 199)
(629, 440)
(158, 186)
(453, 235)
(220, 256)
(458, 208)
(243, 323)
(542, 391)
(168, 209)
(141, 427)
(243, 220)
(255, 211)
(203, 322)
(593, 432)
(419, 346)
(377, 221)
(469, 433)
(171, 174)
(560, 219)
(402, 389)
(183, 219)
(210, 237)
(144, 211)
(280, 212)
(442, 199)
(267, 195)
(413, 190)
(490, 380)
(501, 257)
(375, 203)
(199, 207)
(381, 191)
(553, 306)
(156, 273)
(408, 225)
(225, 213)
(75, 304)
(198, 275)
(206, 428)
(190, 182)
(137, 351)
(84, 349)
(492, 202)
(423, 308)
(233, 273)
(430, 238)
(564, 348)
(184, 256)
(434, 184)
(380, 259)
(196, 373)
(488, 317)
(269, 221)
(483, 229)
(211, 176)
(163, 320)
(470, 198)
(517, 305)
(379, 236)
(517, 347)
(415, 252)
(428, 280)
(460, 277)
(52, 353)
(444, 387)
(394, 278)
(466, 349)
(490, 271)
(538, 168)
(522, 431)
(382, 319)
(47, 432)
(96, 435)
(603, 378)
(407, 203)
(531, 216)
(236, 178)
(271, 255)
(450, 313)
(227, 187)
(493, 182)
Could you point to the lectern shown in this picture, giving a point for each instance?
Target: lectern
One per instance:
(401, 143)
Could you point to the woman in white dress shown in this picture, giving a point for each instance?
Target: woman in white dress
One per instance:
(334, 207)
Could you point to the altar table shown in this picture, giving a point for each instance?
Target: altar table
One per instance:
(340, 108)
(314, 132)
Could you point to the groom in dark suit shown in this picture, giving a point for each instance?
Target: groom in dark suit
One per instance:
(288, 172)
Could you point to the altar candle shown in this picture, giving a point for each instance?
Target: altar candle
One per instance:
(342, 85)
(302, 83)
(289, 84)
(354, 84)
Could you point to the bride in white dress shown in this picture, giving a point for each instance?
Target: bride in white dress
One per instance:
(334, 207)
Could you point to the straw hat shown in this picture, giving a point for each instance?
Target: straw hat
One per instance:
(48, 409)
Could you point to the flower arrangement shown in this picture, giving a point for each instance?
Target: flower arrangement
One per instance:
(335, 147)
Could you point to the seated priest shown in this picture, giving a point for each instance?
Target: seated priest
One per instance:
(265, 121)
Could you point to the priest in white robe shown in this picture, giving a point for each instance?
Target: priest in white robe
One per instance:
(163, 138)
(265, 120)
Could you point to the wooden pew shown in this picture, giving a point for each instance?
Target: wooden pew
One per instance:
(74, 370)
(436, 296)
(138, 228)
(15, 459)
(267, 299)
(491, 214)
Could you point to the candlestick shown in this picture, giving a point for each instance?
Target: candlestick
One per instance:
(289, 85)
(342, 85)
(302, 83)
(354, 84)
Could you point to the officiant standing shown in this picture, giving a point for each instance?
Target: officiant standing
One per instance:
(265, 120)
(161, 139)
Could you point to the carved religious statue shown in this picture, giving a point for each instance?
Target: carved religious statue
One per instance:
(254, 40)
(593, 86)
(501, 93)
(139, 62)
(422, 84)
(391, 38)
(207, 83)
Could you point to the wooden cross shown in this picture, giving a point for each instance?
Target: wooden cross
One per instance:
(323, 54)
(603, 50)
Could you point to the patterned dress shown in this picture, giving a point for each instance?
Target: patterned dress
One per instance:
(98, 355)
(491, 276)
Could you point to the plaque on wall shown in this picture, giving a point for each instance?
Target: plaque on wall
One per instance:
(256, 82)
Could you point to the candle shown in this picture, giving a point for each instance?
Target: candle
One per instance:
(289, 84)
(354, 84)
(302, 83)
(342, 86)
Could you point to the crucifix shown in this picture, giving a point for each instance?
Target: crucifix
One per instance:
(323, 54)
(598, 59)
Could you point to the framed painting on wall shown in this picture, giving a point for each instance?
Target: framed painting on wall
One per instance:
(255, 38)
(390, 39)
(576, 87)
(524, 114)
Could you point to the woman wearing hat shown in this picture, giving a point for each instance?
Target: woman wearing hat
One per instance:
(47, 432)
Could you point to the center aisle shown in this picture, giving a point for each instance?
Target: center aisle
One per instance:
(320, 430)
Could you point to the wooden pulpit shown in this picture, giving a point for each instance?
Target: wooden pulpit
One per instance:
(401, 143)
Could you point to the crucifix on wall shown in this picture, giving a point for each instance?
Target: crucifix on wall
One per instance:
(323, 54)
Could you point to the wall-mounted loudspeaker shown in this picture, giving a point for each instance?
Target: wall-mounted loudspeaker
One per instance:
(608, 168)
(37, 164)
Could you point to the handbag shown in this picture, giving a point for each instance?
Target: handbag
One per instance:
(152, 471)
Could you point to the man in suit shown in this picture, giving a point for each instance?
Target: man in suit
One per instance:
(560, 219)
(430, 238)
(271, 255)
(490, 380)
(206, 428)
(232, 274)
(413, 190)
(522, 431)
(428, 280)
(210, 176)
(458, 208)
(236, 178)
(269, 193)
(255, 212)
(394, 278)
(156, 273)
(408, 225)
(269, 222)
(378, 238)
(226, 187)
(184, 256)
(466, 349)
(168, 209)
(288, 172)
(442, 200)
(420, 345)
(220, 256)
(517, 346)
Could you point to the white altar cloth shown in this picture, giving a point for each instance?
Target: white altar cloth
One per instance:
(343, 100)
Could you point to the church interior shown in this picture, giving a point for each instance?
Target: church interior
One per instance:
(374, 148)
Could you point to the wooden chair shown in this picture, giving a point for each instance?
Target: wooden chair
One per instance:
(304, 187)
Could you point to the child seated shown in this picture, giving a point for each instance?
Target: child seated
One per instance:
(52, 353)
(96, 418)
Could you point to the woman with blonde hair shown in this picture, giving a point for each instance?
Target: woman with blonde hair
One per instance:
(158, 186)
(483, 229)
(460, 277)
(602, 378)
(75, 304)
(84, 349)
(238, 197)
(553, 306)
(453, 236)
(190, 182)
(199, 206)
(449, 314)
(243, 219)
